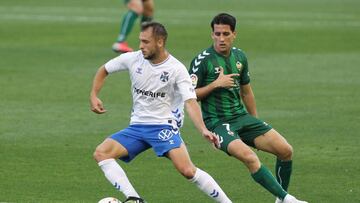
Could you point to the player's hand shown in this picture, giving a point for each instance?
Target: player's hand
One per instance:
(211, 137)
(225, 81)
(97, 105)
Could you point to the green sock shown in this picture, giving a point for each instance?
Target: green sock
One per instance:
(264, 177)
(126, 25)
(146, 19)
(283, 172)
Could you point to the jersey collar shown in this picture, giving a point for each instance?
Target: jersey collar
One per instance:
(158, 64)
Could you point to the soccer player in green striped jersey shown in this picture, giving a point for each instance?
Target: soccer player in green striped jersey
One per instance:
(221, 77)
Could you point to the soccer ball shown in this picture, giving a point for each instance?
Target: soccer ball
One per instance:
(109, 200)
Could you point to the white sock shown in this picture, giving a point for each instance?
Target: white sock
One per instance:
(116, 175)
(208, 185)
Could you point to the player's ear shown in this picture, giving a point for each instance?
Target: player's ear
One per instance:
(234, 33)
(160, 42)
(212, 35)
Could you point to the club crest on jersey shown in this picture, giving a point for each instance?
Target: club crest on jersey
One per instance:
(239, 65)
(217, 69)
(194, 80)
(139, 70)
(164, 76)
(165, 134)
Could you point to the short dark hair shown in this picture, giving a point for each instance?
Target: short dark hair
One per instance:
(224, 19)
(158, 29)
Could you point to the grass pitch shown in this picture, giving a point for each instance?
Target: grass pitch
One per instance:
(304, 59)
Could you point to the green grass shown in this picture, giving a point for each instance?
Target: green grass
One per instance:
(304, 59)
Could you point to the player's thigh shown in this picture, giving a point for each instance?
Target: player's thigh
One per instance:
(148, 6)
(245, 154)
(274, 143)
(181, 160)
(131, 138)
(109, 148)
(240, 150)
(136, 6)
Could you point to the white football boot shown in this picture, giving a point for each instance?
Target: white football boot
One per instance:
(278, 200)
(290, 199)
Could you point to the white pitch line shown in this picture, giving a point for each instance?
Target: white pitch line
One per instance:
(57, 18)
(104, 15)
(181, 12)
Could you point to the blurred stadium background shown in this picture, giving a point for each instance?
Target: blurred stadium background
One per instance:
(304, 59)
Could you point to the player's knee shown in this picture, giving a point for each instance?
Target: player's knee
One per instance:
(99, 154)
(148, 6)
(148, 12)
(286, 152)
(244, 154)
(250, 158)
(188, 171)
(136, 6)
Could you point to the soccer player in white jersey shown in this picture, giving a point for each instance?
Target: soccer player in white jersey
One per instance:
(158, 80)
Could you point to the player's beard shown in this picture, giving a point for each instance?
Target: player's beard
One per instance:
(150, 56)
(152, 53)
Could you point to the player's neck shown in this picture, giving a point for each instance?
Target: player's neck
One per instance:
(163, 55)
(223, 53)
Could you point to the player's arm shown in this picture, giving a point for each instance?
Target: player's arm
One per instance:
(194, 112)
(98, 82)
(248, 99)
(119, 63)
(223, 81)
(203, 92)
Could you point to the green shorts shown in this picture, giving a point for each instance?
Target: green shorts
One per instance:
(245, 127)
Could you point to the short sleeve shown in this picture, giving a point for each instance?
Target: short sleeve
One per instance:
(120, 63)
(245, 74)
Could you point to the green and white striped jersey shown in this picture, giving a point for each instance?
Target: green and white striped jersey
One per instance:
(223, 103)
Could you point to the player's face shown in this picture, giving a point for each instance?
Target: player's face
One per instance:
(223, 38)
(148, 44)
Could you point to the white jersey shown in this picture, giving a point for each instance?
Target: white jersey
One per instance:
(157, 89)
